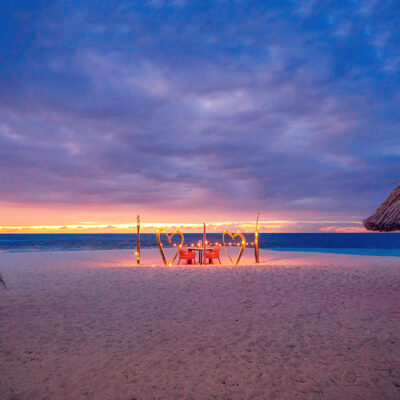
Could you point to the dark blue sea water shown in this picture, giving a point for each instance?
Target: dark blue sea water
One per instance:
(351, 243)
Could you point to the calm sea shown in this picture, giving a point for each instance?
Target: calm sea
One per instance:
(347, 243)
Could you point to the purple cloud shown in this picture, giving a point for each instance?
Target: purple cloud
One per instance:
(286, 107)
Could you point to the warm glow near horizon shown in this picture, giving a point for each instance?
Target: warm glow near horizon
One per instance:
(131, 227)
(243, 226)
(27, 218)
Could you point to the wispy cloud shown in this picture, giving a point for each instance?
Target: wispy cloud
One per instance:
(343, 229)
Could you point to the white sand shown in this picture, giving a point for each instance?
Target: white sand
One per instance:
(91, 325)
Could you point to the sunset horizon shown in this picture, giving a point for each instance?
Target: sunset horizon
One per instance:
(78, 221)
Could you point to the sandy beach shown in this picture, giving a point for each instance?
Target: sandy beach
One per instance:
(93, 325)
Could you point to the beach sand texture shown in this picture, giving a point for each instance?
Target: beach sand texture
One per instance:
(93, 325)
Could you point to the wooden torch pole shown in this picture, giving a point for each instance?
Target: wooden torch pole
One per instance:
(204, 243)
(256, 251)
(138, 240)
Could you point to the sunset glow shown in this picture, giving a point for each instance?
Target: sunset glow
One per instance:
(183, 124)
(244, 226)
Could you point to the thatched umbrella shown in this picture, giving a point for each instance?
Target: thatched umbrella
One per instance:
(387, 216)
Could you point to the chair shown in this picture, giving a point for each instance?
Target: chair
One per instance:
(214, 253)
(184, 254)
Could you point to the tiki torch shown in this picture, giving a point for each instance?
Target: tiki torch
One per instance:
(256, 252)
(204, 243)
(138, 240)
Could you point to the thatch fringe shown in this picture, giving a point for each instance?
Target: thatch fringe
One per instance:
(2, 282)
(387, 216)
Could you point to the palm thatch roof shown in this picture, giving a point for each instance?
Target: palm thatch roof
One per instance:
(387, 216)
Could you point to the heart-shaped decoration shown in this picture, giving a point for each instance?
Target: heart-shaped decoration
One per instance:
(170, 236)
(237, 234)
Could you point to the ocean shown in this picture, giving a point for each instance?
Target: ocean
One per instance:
(382, 244)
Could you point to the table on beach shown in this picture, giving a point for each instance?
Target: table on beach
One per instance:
(201, 251)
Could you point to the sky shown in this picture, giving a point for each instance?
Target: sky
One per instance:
(191, 111)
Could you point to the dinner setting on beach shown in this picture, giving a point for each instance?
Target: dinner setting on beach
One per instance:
(199, 200)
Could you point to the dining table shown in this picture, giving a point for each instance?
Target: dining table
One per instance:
(201, 251)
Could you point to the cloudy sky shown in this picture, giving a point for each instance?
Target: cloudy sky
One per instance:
(185, 111)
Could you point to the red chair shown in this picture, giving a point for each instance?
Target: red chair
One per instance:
(214, 254)
(184, 254)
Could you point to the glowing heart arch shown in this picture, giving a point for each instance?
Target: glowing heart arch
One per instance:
(169, 236)
(243, 245)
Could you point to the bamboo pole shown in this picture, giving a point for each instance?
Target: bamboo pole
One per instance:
(138, 240)
(204, 243)
(256, 250)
